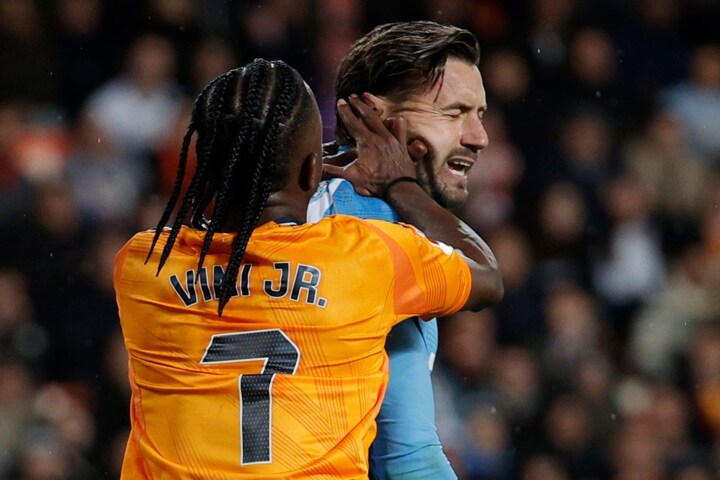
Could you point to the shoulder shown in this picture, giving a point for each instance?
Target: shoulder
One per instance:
(342, 224)
(364, 235)
(397, 237)
(131, 253)
(409, 239)
(142, 241)
(137, 248)
(398, 230)
(138, 241)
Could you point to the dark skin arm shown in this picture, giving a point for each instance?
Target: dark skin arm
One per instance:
(383, 156)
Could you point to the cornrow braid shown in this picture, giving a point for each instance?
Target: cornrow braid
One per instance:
(175, 194)
(204, 149)
(244, 137)
(245, 121)
(264, 174)
(180, 175)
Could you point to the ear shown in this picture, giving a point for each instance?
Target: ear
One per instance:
(310, 172)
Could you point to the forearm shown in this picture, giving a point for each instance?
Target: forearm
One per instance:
(417, 208)
(383, 158)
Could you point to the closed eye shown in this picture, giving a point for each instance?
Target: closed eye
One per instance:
(455, 110)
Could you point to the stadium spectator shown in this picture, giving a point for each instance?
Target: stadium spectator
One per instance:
(135, 109)
(696, 101)
(673, 176)
(56, 52)
(630, 268)
(26, 51)
(88, 51)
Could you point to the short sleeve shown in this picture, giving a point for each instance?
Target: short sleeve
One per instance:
(431, 279)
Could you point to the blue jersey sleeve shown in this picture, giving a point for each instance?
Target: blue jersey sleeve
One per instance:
(407, 445)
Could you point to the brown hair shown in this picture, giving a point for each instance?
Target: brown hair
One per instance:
(398, 59)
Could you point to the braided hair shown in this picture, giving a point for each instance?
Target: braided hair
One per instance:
(245, 120)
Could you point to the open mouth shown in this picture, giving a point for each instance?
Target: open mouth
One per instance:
(459, 166)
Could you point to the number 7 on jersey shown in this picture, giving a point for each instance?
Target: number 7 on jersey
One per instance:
(281, 355)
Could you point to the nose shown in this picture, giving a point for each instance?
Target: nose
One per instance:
(473, 135)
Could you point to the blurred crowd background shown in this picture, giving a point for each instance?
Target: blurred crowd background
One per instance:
(599, 193)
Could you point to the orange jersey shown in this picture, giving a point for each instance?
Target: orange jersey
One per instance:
(287, 383)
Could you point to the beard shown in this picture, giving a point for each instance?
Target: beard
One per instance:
(429, 174)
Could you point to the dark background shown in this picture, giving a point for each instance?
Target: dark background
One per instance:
(599, 194)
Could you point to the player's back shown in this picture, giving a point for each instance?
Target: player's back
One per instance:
(288, 381)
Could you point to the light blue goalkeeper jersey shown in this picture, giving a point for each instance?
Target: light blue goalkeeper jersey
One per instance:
(407, 444)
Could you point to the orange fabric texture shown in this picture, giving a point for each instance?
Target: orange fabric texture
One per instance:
(287, 383)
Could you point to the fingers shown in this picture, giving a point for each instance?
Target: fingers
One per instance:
(353, 124)
(369, 116)
(330, 148)
(333, 171)
(377, 103)
(398, 127)
(381, 148)
(417, 149)
(361, 118)
(349, 174)
(341, 159)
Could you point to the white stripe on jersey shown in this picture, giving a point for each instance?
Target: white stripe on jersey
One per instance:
(322, 200)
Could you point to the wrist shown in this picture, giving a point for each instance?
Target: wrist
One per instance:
(399, 184)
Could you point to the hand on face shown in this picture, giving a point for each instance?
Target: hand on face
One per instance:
(448, 119)
(332, 155)
(383, 153)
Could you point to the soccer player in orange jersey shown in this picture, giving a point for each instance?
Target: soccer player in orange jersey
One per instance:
(255, 339)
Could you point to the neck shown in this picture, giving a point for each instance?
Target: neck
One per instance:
(279, 204)
(283, 204)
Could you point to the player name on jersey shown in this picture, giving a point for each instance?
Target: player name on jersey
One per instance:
(299, 281)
